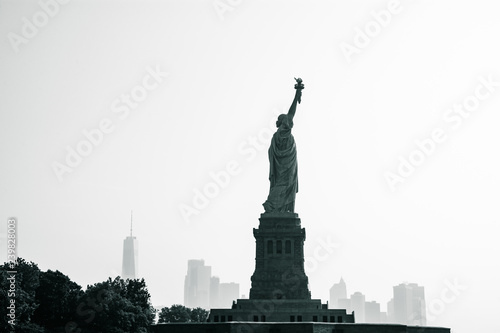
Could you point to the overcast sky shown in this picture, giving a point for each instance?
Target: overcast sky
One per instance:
(113, 106)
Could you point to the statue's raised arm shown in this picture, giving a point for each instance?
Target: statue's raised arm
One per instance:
(297, 99)
(283, 161)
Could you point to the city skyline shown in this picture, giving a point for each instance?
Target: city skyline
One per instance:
(407, 305)
(167, 109)
(201, 289)
(409, 308)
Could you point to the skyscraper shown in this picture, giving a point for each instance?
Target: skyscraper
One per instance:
(214, 292)
(197, 284)
(418, 314)
(130, 256)
(337, 291)
(358, 306)
(228, 293)
(365, 312)
(206, 291)
(409, 304)
(391, 317)
(372, 312)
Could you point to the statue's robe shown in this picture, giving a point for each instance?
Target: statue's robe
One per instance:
(283, 170)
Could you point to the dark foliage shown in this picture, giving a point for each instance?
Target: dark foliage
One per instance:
(49, 302)
(180, 314)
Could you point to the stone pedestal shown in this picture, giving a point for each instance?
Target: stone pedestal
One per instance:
(279, 258)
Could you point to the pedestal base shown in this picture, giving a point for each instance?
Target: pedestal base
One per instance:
(283, 310)
(279, 258)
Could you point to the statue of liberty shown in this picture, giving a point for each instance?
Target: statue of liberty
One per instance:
(283, 161)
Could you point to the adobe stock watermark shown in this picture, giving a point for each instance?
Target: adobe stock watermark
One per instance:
(324, 249)
(12, 242)
(31, 27)
(221, 179)
(363, 37)
(449, 294)
(453, 118)
(223, 6)
(121, 107)
(11, 273)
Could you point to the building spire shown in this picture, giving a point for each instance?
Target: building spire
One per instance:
(131, 219)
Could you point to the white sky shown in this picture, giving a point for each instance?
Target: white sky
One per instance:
(226, 81)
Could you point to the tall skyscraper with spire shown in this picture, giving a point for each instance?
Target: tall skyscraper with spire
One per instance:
(130, 255)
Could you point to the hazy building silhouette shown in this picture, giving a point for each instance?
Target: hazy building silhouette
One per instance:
(372, 312)
(345, 303)
(222, 295)
(206, 291)
(390, 311)
(338, 297)
(337, 291)
(358, 306)
(197, 284)
(402, 303)
(130, 256)
(365, 312)
(409, 304)
(383, 317)
(228, 293)
(214, 292)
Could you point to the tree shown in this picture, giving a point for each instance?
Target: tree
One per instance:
(21, 287)
(57, 297)
(47, 302)
(175, 314)
(180, 314)
(116, 306)
(199, 315)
